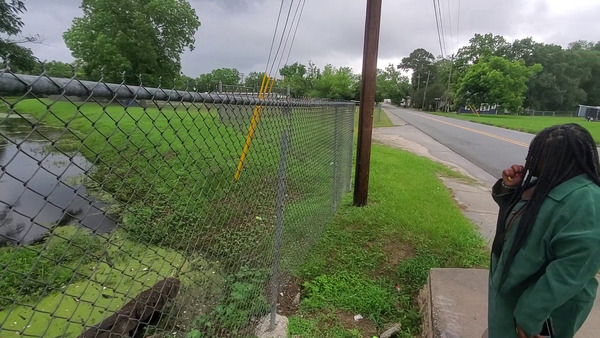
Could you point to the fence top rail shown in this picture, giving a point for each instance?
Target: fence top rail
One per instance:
(18, 84)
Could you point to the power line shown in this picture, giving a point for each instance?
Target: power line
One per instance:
(453, 45)
(444, 52)
(288, 36)
(295, 31)
(458, 24)
(282, 36)
(437, 23)
(274, 35)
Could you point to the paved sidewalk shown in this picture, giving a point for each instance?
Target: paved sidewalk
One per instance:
(457, 298)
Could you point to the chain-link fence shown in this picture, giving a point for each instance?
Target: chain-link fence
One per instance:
(531, 112)
(123, 209)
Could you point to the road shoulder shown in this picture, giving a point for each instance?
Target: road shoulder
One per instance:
(474, 199)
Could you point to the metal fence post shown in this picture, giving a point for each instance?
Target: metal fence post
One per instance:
(336, 160)
(279, 222)
(350, 149)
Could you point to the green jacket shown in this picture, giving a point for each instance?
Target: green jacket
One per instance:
(553, 275)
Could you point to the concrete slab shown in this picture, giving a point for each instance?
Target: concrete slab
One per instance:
(485, 222)
(263, 329)
(452, 313)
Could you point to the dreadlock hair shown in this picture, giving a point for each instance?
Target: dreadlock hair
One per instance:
(555, 155)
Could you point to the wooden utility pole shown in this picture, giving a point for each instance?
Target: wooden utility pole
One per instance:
(447, 108)
(425, 92)
(367, 102)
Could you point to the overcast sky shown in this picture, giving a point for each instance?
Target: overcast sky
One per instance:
(238, 33)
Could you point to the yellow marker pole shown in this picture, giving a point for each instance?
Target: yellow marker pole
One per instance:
(253, 125)
(272, 84)
(475, 110)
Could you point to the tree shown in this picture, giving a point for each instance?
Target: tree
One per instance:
(558, 86)
(581, 44)
(254, 80)
(185, 82)
(20, 58)
(294, 77)
(59, 69)
(135, 37)
(334, 83)
(391, 85)
(479, 47)
(421, 62)
(496, 80)
(205, 83)
(227, 76)
(483, 46)
(589, 61)
(296, 69)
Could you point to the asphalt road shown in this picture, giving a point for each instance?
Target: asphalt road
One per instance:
(491, 148)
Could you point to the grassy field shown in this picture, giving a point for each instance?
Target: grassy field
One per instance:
(528, 124)
(373, 260)
(380, 119)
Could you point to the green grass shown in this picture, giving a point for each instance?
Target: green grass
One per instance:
(410, 225)
(321, 325)
(528, 124)
(172, 170)
(380, 119)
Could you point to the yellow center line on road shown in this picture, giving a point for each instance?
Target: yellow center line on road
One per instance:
(505, 139)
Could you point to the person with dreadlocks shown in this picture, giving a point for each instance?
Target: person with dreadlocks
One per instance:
(546, 251)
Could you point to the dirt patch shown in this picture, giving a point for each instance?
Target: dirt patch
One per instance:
(289, 297)
(365, 326)
(395, 251)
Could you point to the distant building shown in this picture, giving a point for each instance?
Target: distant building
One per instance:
(484, 108)
(591, 113)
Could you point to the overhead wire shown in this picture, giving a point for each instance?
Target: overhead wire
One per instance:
(458, 24)
(452, 40)
(456, 47)
(295, 31)
(282, 36)
(268, 81)
(437, 23)
(274, 35)
(440, 8)
(287, 38)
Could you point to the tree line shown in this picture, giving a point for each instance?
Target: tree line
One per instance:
(516, 75)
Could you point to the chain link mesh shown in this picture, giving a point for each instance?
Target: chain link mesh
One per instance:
(120, 214)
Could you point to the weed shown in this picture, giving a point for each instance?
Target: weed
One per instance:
(34, 269)
(352, 293)
(244, 299)
(413, 272)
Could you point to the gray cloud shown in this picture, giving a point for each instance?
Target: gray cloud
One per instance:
(238, 33)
